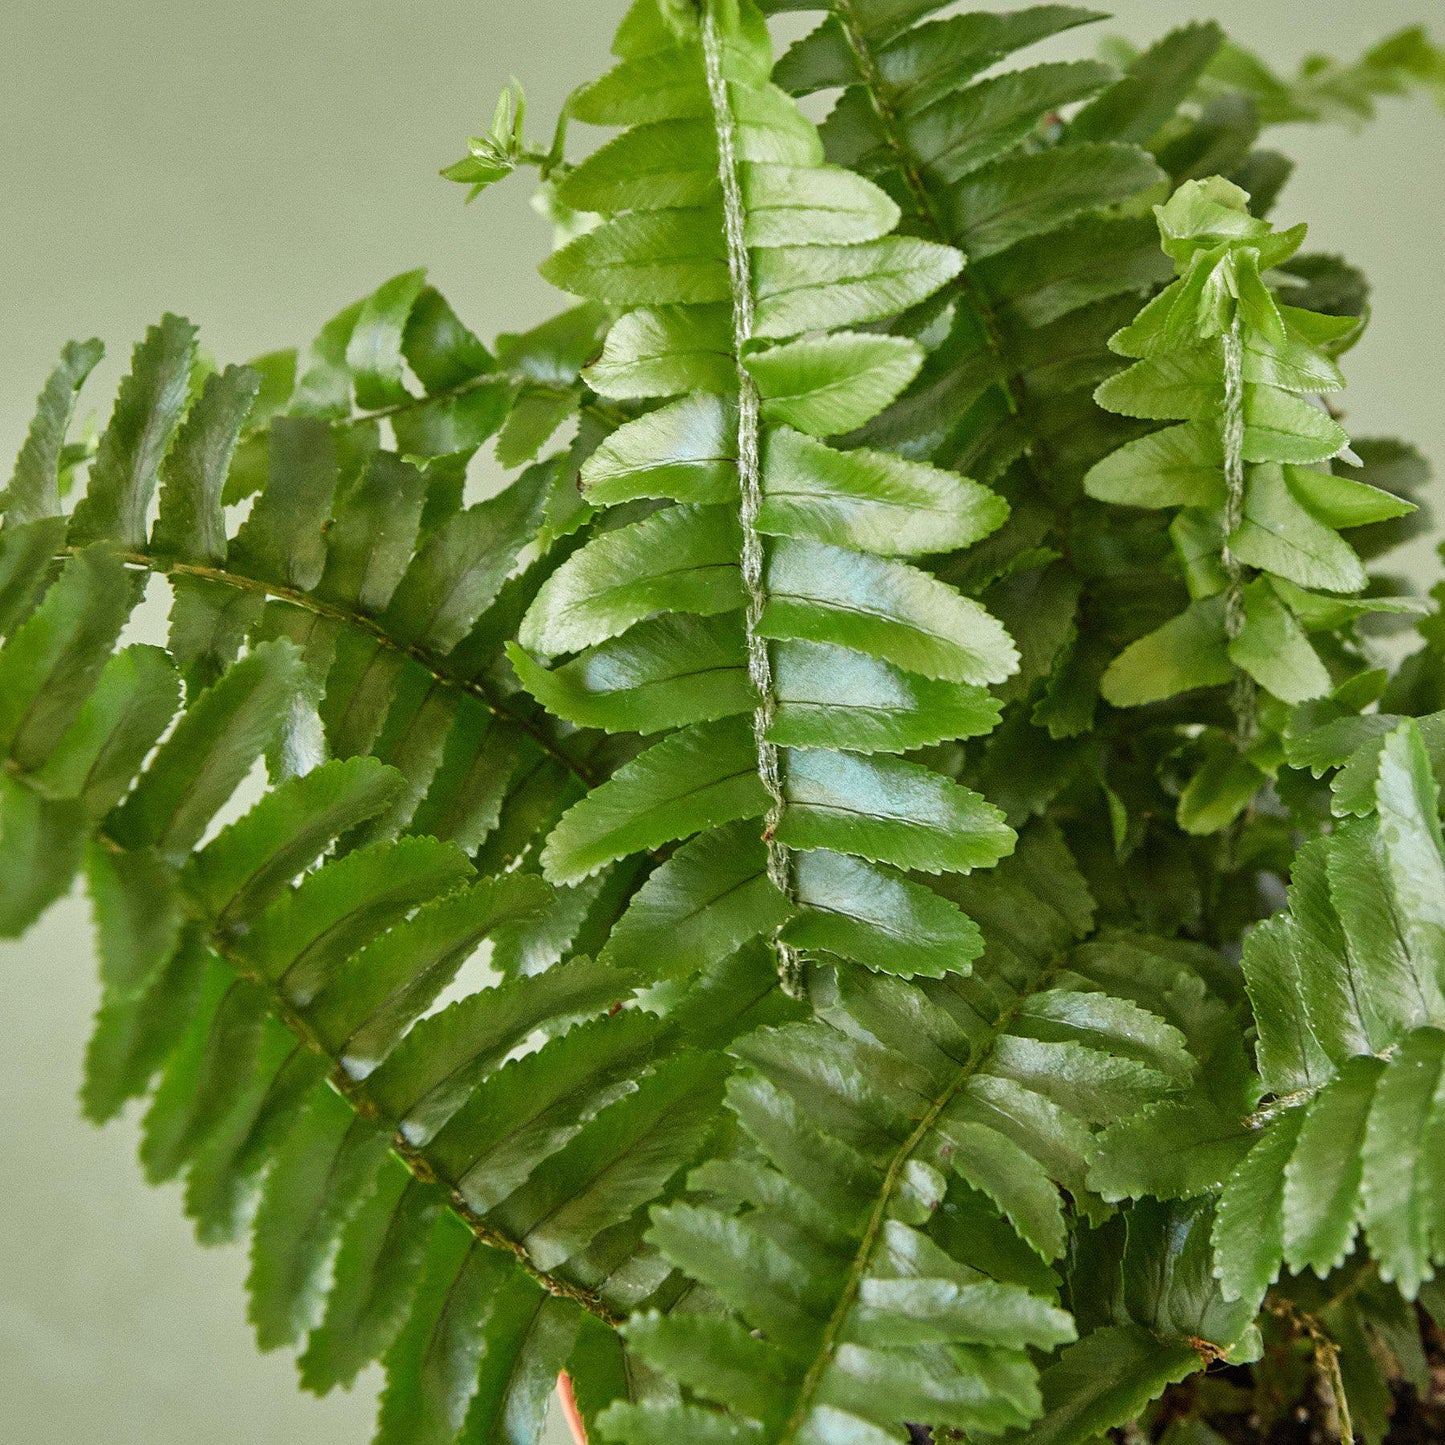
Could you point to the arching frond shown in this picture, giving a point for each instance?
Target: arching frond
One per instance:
(1347, 991)
(427, 1185)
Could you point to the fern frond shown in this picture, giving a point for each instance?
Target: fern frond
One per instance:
(968, 161)
(1328, 90)
(366, 558)
(426, 1185)
(760, 616)
(1363, 952)
(1150, 1314)
(889, 1232)
(1346, 988)
(1047, 213)
(472, 1021)
(1057, 254)
(307, 1082)
(1257, 532)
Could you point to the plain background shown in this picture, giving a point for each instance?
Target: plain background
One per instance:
(256, 167)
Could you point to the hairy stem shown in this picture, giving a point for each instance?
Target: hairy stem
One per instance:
(760, 667)
(1327, 1360)
(1243, 695)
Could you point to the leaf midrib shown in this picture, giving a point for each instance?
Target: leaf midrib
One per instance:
(494, 702)
(414, 1158)
(863, 1258)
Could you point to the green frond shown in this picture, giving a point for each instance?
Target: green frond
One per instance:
(1048, 213)
(678, 914)
(1258, 530)
(307, 1083)
(762, 617)
(1150, 1313)
(1328, 90)
(1346, 987)
(275, 986)
(982, 165)
(1047, 207)
(885, 1240)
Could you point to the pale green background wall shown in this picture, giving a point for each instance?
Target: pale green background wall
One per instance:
(256, 166)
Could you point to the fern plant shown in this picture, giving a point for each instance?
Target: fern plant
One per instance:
(766, 915)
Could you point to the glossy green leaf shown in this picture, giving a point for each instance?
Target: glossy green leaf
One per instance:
(667, 672)
(209, 752)
(1395, 1207)
(41, 842)
(830, 696)
(364, 1008)
(695, 779)
(1145, 96)
(191, 524)
(1322, 1177)
(646, 259)
(1408, 800)
(432, 1368)
(1280, 536)
(1248, 1232)
(378, 1262)
(686, 451)
(27, 563)
(373, 535)
(253, 859)
(53, 661)
(1290, 1057)
(972, 126)
(1104, 1380)
(136, 1033)
(886, 609)
(426, 1077)
(1274, 651)
(889, 811)
(870, 501)
(878, 918)
(665, 351)
(809, 288)
(34, 490)
(99, 754)
(1025, 194)
(374, 350)
(1341, 501)
(706, 900)
(1178, 466)
(282, 540)
(1188, 651)
(682, 559)
(148, 409)
(826, 385)
(460, 568)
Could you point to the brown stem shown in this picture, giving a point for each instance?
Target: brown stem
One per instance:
(570, 1412)
(495, 703)
(415, 1159)
(1327, 1362)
